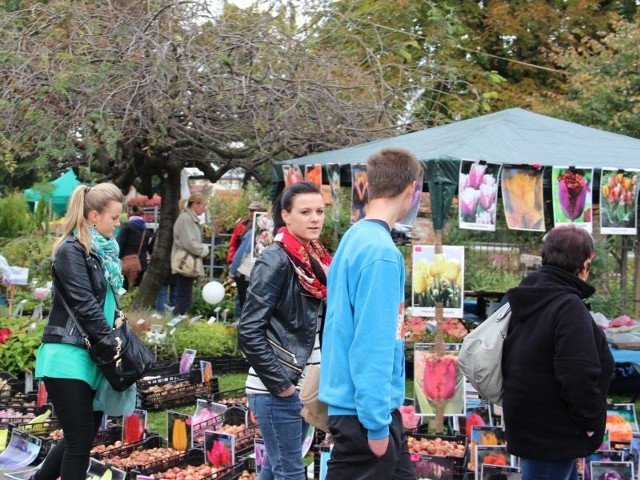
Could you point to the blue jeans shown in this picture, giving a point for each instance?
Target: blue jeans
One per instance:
(548, 469)
(282, 429)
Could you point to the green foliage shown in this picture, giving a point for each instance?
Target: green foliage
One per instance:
(32, 252)
(209, 340)
(19, 351)
(15, 218)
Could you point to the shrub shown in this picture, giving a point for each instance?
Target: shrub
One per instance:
(15, 218)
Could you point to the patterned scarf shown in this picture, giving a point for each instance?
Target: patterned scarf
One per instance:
(107, 249)
(310, 262)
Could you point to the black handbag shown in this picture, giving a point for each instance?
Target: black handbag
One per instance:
(121, 355)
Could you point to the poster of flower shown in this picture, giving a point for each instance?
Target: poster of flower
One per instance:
(522, 198)
(262, 233)
(292, 174)
(333, 173)
(438, 379)
(219, 448)
(618, 197)
(583, 464)
(491, 455)
(504, 472)
(410, 218)
(478, 187)
(359, 192)
(433, 467)
(437, 278)
(571, 189)
(313, 174)
(612, 470)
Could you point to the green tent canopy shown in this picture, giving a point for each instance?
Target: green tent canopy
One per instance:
(64, 186)
(510, 137)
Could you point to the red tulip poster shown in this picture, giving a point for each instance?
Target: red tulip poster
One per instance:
(359, 192)
(522, 198)
(618, 200)
(491, 455)
(478, 187)
(572, 192)
(438, 379)
(220, 448)
(292, 174)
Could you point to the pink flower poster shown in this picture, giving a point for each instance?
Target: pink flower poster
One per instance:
(572, 191)
(438, 379)
(522, 198)
(618, 201)
(478, 195)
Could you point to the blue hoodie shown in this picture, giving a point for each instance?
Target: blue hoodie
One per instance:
(362, 346)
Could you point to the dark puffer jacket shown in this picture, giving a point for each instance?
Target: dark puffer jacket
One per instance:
(557, 368)
(278, 325)
(84, 287)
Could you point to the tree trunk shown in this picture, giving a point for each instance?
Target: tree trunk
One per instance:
(159, 267)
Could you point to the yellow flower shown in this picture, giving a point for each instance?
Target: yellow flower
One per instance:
(439, 265)
(452, 270)
(420, 273)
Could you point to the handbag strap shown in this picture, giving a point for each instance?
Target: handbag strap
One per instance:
(72, 315)
(141, 240)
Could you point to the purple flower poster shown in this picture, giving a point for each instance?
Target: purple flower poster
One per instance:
(478, 187)
(333, 172)
(618, 200)
(522, 197)
(572, 192)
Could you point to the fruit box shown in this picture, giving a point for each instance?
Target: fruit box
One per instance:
(453, 448)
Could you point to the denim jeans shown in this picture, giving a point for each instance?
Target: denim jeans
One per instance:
(548, 469)
(282, 429)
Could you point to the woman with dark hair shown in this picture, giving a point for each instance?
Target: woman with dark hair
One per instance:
(281, 325)
(556, 363)
(133, 239)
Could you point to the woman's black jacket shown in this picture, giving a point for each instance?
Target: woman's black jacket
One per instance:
(557, 368)
(79, 277)
(279, 321)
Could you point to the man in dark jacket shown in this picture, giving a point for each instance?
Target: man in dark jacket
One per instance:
(556, 363)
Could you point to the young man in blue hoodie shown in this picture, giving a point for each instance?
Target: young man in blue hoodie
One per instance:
(362, 378)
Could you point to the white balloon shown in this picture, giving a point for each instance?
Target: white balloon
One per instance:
(213, 292)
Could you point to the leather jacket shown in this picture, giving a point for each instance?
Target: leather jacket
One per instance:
(278, 325)
(80, 277)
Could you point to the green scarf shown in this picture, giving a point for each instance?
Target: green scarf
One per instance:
(108, 250)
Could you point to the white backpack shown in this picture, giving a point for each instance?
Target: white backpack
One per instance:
(480, 358)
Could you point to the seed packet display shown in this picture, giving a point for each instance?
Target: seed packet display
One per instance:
(485, 435)
(478, 413)
(491, 455)
(599, 456)
(635, 451)
(504, 472)
(433, 467)
(611, 470)
(621, 422)
(219, 448)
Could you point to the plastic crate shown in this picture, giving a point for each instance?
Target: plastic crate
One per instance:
(153, 441)
(19, 399)
(108, 436)
(235, 397)
(459, 462)
(192, 457)
(183, 394)
(18, 412)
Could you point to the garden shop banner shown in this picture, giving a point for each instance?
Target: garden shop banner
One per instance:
(478, 187)
(522, 197)
(572, 192)
(618, 201)
(437, 278)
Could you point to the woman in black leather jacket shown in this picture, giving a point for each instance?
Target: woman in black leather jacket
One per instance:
(86, 273)
(280, 324)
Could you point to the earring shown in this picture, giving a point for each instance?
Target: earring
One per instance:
(94, 225)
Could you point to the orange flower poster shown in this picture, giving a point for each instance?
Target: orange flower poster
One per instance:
(522, 197)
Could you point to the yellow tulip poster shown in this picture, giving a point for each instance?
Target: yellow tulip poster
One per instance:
(437, 278)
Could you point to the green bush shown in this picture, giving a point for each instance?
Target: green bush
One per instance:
(19, 351)
(32, 252)
(15, 218)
